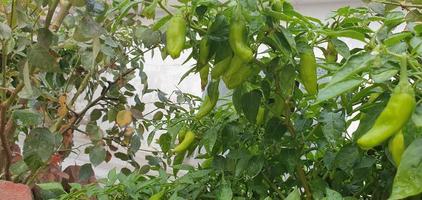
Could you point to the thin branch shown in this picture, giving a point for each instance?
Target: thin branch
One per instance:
(51, 10)
(64, 11)
(164, 8)
(403, 5)
(273, 186)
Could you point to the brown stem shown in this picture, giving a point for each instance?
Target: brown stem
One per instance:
(64, 11)
(5, 143)
(51, 10)
(403, 5)
(299, 168)
(302, 177)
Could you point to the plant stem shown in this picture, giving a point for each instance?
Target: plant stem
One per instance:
(164, 8)
(64, 11)
(299, 168)
(398, 4)
(5, 143)
(4, 68)
(51, 9)
(273, 186)
(12, 12)
(403, 68)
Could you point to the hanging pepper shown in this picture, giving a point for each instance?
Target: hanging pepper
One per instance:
(210, 100)
(395, 115)
(396, 147)
(176, 36)
(187, 141)
(222, 61)
(237, 73)
(308, 71)
(204, 51)
(237, 37)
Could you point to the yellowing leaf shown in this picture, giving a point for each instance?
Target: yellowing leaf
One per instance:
(62, 111)
(124, 118)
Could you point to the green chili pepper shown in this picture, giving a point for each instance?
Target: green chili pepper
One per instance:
(395, 115)
(308, 71)
(237, 73)
(396, 147)
(176, 36)
(222, 61)
(187, 141)
(210, 100)
(204, 51)
(237, 37)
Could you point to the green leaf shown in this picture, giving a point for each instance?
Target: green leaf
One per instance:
(19, 168)
(94, 132)
(225, 191)
(250, 104)
(416, 44)
(354, 65)
(396, 38)
(408, 180)
(87, 29)
(161, 22)
(345, 33)
(287, 80)
(41, 57)
(5, 31)
(341, 48)
(393, 19)
(210, 138)
(97, 155)
(135, 144)
(39, 145)
(333, 126)
(294, 195)
(347, 157)
(86, 172)
(337, 89)
(332, 195)
(50, 190)
(27, 117)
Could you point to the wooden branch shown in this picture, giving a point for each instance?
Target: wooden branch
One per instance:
(5, 143)
(64, 11)
(51, 9)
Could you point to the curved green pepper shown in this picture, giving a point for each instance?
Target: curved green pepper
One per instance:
(203, 74)
(210, 100)
(204, 51)
(331, 54)
(187, 141)
(237, 73)
(222, 61)
(308, 72)
(396, 147)
(395, 115)
(176, 36)
(237, 37)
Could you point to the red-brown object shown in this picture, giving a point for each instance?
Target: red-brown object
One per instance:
(14, 191)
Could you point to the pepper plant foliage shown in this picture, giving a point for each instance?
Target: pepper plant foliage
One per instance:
(274, 135)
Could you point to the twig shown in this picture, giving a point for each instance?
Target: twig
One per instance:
(404, 5)
(273, 186)
(64, 11)
(164, 8)
(50, 13)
